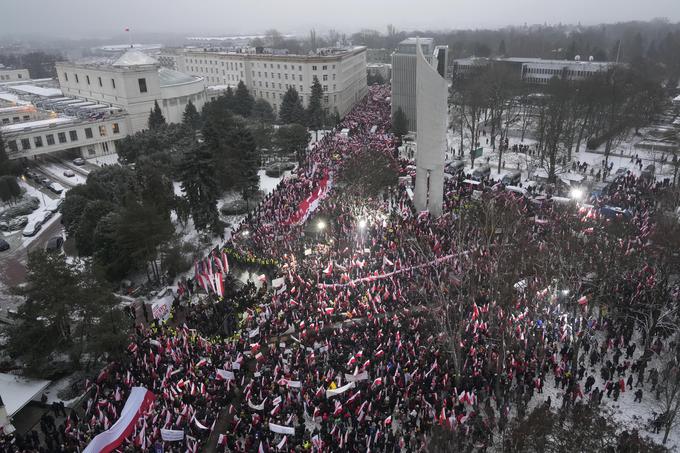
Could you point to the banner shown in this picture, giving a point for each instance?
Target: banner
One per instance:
(258, 407)
(372, 278)
(172, 435)
(226, 375)
(309, 204)
(339, 390)
(138, 402)
(280, 429)
(161, 309)
(363, 376)
(278, 282)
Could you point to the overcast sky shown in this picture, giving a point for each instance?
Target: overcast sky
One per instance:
(92, 18)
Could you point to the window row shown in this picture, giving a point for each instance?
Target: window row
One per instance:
(87, 80)
(61, 138)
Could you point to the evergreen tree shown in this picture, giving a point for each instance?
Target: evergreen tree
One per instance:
(263, 112)
(198, 177)
(399, 123)
(156, 118)
(56, 290)
(243, 101)
(293, 138)
(191, 117)
(291, 110)
(501, 48)
(315, 112)
(227, 100)
(7, 166)
(248, 162)
(9, 188)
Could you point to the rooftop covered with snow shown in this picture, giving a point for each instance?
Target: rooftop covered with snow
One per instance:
(17, 391)
(135, 58)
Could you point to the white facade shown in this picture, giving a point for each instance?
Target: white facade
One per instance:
(13, 75)
(431, 104)
(134, 82)
(342, 75)
(541, 71)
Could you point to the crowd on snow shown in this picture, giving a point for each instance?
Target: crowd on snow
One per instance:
(345, 351)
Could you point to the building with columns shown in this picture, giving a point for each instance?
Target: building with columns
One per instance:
(133, 83)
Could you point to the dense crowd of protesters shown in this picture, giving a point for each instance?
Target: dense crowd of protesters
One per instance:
(351, 348)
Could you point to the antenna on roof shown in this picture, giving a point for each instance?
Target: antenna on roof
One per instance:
(127, 30)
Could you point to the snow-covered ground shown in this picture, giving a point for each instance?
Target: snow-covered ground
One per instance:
(45, 202)
(109, 159)
(56, 171)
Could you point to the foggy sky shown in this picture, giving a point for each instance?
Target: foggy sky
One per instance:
(97, 18)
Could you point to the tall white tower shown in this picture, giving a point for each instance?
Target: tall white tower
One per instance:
(431, 117)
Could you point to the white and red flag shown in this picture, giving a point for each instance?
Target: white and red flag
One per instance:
(139, 401)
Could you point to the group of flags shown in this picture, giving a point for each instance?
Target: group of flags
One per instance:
(210, 273)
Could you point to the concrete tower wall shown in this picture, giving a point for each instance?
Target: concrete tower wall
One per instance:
(431, 99)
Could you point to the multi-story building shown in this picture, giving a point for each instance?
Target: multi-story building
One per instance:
(404, 77)
(384, 69)
(133, 83)
(341, 73)
(13, 75)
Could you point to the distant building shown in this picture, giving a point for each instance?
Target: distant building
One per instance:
(13, 75)
(404, 77)
(133, 83)
(384, 69)
(378, 56)
(269, 74)
(535, 71)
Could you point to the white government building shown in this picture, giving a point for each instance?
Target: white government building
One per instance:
(96, 105)
(341, 73)
(133, 82)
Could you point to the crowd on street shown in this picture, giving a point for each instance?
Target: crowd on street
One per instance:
(381, 324)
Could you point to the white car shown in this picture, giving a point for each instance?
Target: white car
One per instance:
(69, 173)
(32, 228)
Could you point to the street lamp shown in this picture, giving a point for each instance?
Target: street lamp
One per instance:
(321, 225)
(576, 194)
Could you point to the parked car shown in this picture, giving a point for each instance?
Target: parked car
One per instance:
(55, 187)
(648, 172)
(54, 207)
(4, 245)
(482, 172)
(455, 167)
(54, 244)
(47, 215)
(4, 226)
(18, 223)
(45, 181)
(69, 173)
(79, 161)
(621, 171)
(32, 228)
(512, 179)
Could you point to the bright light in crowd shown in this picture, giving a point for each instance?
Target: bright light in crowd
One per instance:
(362, 223)
(321, 225)
(576, 194)
(246, 233)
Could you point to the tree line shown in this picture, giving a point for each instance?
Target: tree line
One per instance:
(561, 116)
